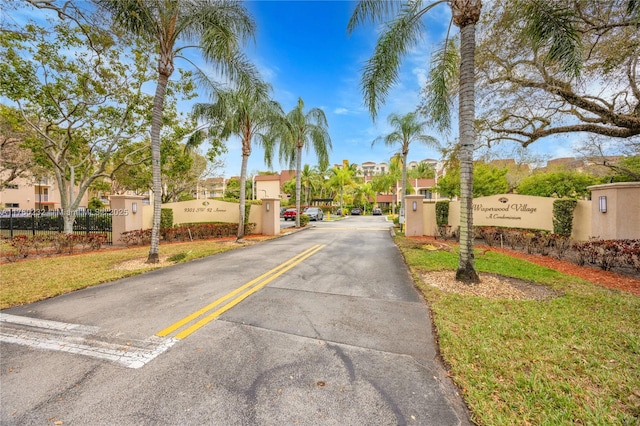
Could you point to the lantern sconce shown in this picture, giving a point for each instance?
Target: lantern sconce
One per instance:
(603, 204)
(134, 208)
(268, 206)
(414, 206)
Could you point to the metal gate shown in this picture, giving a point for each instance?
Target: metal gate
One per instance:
(32, 222)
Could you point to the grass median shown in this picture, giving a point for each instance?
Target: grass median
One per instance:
(570, 359)
(32, 280)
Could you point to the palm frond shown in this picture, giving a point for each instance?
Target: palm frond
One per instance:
(552, 26)
(439, 90)
(194, 140)
(371, 11)
(137, 16)
(381, 70)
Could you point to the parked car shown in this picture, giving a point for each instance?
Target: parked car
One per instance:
(290, 214)
(356, 212)
(282, 210)
(377, 212)
(314, 213)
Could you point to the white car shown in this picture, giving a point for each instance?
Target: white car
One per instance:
(314, 213)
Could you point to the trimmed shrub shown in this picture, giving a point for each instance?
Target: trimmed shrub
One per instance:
(563, 216)
(190, 232)
(442, 213)
(166, 218)
(609, 253)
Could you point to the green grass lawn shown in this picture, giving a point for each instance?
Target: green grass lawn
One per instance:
(574, 359)
(22, 282)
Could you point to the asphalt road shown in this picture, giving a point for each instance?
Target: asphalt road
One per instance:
(320, 327)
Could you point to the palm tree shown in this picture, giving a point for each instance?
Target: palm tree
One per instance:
(361, 194)
(340, 179)
(297, 131)
(382, 184)
(381, 72)
(218, 26)
(407, 130)
(323, 175)
(422, 171)
(247, 112)
(310, 180)
(547, 24)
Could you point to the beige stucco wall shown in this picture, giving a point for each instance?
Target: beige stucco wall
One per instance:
(255, 216)
(126, 215)
(514, 211)
(270, 212)
(414, 225)
(267, 189)
(622, 218)
(582, 221)
(429, 223)
(194, 211)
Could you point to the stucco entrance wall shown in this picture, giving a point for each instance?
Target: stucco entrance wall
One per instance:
(513, 211)
(197, 211)
(617, 216)
(508, 210)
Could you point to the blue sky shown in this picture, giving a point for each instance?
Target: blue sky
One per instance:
(303, 50)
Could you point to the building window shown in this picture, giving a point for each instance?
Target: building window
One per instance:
(12, 205)
(426, 194)
(11, 186)
(42, 195)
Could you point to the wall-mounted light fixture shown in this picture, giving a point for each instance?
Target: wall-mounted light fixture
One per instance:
(268, 206)
(414, 206)
(134, 208)
(603, 204)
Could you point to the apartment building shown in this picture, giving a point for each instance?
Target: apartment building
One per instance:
(34, 193)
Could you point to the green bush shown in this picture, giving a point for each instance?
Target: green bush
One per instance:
(442, 213)
(304, 220)
(95, 204)
(198, 231)
(563, 216)
(166, 218)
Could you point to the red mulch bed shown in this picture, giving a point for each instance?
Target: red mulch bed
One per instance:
(608, 279)
(595, 275)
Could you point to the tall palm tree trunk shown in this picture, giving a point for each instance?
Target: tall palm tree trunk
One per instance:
(156, 127)
(404, 188)
(243, 194)
(298, 182)
(466, 267)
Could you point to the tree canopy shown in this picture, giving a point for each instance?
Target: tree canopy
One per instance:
(527, 94)
(487, 180)
(82, 103)
(562, 184)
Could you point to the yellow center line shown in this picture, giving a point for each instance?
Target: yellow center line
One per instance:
(204, 321)
(272, 274)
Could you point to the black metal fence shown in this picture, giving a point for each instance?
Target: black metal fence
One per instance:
(32, 222)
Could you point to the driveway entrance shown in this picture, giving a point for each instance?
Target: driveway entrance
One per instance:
(333, 333)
